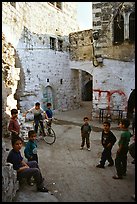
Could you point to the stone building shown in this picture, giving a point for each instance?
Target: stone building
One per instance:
(105, 57)
(39, 31)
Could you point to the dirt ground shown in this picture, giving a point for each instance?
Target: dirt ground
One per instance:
(70, 173)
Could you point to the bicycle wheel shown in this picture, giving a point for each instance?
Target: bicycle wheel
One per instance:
(50, 136)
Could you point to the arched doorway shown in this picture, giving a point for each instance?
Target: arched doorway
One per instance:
(87, 91)
(87, 86)
(48, 96)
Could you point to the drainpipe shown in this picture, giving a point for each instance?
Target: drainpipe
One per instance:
(95, 37)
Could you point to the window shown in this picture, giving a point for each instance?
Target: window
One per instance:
(57, 4)
(132, 27)
(13, 4)
(52, 3)
(118, 29)
(60, 45)
(52, 43)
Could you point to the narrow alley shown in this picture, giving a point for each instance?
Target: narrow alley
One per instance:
(71, 174)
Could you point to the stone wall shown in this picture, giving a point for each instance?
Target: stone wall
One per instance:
(81, 48)
(30, 26)
(103, 22)
(10, 77)
(9, 178)
(9, 85)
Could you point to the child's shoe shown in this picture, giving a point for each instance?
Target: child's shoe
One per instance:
(117, 177)
(88, 149)
(100, 166)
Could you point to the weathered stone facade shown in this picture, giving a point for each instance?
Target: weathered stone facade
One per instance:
(10, 77)
(116, 62)
(33, 28)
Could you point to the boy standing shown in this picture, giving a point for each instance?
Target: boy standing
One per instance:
(85, 133)
(37, 111)
(108, 139)
(121, 155)
(25, 170)
(30, 150)
(14, 126)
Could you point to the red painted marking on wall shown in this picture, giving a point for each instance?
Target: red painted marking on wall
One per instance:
(109, 94)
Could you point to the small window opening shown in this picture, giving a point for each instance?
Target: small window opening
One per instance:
(59, 5)
(60, 45)
(61, 81)
(52, 43)
(52, 3)
(13, 4)
(47, 80)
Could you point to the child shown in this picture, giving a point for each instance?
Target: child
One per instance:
(49, 113)
(85, 133)
(37, 111)
(108, 139)
(25, 170)
(14, 126)
(121, 155)
(30, 150)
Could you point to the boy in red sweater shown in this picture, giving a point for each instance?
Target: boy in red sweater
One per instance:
(14, 126)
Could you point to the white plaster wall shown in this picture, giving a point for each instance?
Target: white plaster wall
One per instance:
(41, 21)
(39, 18)
(113, 75)
(45, 65)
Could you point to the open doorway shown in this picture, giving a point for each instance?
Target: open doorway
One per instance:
(87, 86)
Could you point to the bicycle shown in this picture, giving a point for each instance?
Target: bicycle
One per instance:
(49, 136)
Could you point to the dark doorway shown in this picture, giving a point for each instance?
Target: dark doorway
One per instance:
(87, 91)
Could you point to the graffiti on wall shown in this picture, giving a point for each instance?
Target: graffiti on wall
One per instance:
(114, 99)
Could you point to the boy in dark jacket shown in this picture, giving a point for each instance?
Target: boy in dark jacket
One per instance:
(108, 139)
(85, 133)
(25, 170)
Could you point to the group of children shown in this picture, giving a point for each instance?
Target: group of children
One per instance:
(108, 140)
(30, 168)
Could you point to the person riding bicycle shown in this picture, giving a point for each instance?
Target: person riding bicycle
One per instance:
(49, 113)
(38, 118)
